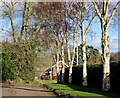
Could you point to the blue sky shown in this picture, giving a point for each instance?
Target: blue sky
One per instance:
(94, 40)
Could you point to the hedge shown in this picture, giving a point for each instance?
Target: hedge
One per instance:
(95, 75)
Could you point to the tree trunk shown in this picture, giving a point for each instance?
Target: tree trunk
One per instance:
(23, 22)
(68, 51)
(84, 61)
(12, 24)
(70, 71)
(27, 18)
(57, 60)
(62, 49)
(105, 23)
(77, 47)
(51, 70)
(83, 34)
(57, 67)
(105, 57)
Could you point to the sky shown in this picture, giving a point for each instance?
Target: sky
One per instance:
(93, 39)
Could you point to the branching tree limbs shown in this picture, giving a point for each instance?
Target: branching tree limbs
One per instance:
(10, 13)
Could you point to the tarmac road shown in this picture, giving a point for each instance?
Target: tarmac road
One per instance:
(26, 90)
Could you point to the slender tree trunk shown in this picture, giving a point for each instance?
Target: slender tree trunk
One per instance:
(62, 49)
(83, 34)
(57, 60)
(23, 22)
(58, 74)
(73, 56)
(51, 69)
(68, 51)
(71, 64)
(26, 22)
(70, 71)
(12, 24)
(77, 47)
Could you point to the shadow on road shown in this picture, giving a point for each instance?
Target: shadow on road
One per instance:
(13, 87)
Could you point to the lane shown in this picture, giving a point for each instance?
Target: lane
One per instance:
(8, 90)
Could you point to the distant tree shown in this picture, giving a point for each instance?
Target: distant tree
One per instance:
(114, 56)
(92, 55)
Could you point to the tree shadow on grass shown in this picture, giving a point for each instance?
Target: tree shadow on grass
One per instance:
(93, 90)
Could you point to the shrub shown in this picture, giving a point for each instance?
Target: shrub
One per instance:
(8, 68)
(28, 77)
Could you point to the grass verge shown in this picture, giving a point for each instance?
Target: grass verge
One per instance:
(75, 90)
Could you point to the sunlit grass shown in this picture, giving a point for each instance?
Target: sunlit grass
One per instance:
(75, 90)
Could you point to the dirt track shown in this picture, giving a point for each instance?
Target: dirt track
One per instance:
(26, 90)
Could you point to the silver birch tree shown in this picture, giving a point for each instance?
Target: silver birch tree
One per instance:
(105, 20)
(84, 30)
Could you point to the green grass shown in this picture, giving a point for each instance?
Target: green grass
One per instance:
(75, 90)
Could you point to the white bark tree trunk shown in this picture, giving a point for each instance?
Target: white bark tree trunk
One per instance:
(84, 59)
(68, 51)
(62, 50)
(67, 43)
(57, 60)
(77, 47)
(105, 57)
(83, 34)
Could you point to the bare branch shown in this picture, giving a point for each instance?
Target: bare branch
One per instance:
(114, 10)
(96, 8)
(89, 24)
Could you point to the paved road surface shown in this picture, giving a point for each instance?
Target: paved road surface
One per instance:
(27, 90)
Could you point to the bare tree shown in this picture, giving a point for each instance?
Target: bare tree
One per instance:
(105, 20)
(85, 13)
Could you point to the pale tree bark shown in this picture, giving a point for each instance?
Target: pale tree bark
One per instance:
(68, 52)
(51, 69)
(77, 47)
(67, 43)
(83, 35)
(105, 23)
(68, 49)
(73, 55)
(57, 60)
(62, 54)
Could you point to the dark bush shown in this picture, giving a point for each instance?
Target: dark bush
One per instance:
(115, 76)
(95, 75)
(77, 75)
